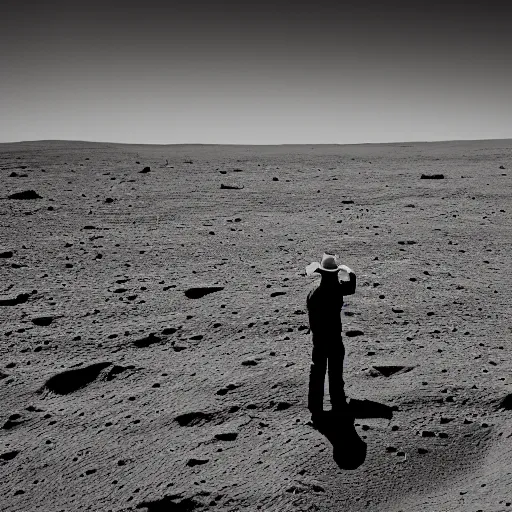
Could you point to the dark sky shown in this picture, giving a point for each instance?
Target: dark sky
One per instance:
(265, 72)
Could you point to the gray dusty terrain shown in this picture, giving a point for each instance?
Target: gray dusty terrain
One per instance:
(121, 389)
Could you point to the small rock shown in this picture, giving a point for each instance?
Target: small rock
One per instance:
(145, 170)
(43, 321)
(388, 371)
(26, 194)
(191, 419)
(506, 403)
(226, 436)
(354, 332)
(197, 462)
(432, 176)
(9, 455)
(147, 341)
(231, 187)
(197, 293)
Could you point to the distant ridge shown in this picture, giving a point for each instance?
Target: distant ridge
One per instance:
(61, 142)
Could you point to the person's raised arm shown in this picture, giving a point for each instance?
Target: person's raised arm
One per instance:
(348, 287)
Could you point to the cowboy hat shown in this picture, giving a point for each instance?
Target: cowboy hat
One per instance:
(327, 265)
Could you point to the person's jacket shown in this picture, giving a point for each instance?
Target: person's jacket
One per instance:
(324, 304)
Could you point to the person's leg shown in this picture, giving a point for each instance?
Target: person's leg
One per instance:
(316, 380)
(336, 383)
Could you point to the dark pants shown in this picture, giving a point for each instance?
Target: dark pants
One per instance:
(328, 352)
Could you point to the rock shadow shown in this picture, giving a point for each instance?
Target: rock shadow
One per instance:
(70, 381)
(197, 293)
(173, 503)
(21, 298)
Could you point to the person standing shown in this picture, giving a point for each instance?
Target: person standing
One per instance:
(324, 305)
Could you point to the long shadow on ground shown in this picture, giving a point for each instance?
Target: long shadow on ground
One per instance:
(349, 450)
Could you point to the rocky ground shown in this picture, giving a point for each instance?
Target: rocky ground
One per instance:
(154, 341)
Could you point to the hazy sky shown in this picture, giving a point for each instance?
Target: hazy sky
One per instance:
(267, 72)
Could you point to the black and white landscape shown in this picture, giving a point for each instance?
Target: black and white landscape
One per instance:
(168, 170)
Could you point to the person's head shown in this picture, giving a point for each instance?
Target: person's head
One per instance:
(328, 268)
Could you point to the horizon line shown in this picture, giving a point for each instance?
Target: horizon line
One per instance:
(253, 144)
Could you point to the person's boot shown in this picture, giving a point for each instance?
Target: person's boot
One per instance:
(317, 417)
